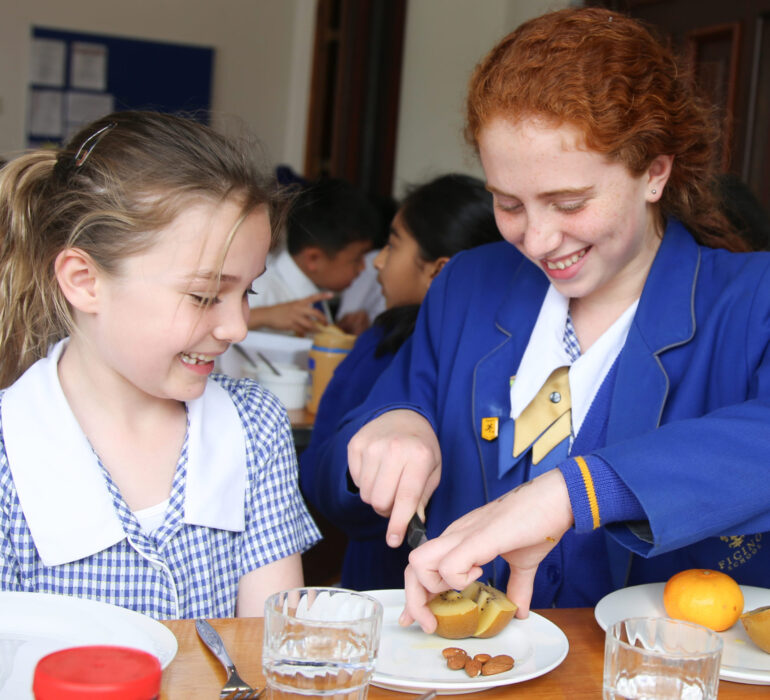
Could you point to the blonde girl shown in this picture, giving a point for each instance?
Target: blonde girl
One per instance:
(128, 473)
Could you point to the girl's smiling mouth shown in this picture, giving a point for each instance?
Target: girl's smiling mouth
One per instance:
(567, 261)
(201, 364)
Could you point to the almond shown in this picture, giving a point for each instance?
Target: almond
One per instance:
(482, 657)
(497, 664)
(452, 651)
(456, 662)
(473, 667)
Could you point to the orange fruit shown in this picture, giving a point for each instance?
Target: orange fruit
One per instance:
(709, 598)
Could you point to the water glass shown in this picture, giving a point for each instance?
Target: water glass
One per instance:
(656, 657)
(320, 642)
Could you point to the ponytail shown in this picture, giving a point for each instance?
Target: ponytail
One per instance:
(30, 301)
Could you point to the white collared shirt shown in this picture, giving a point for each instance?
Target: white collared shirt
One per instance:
(545, 352)
(283, 281)
(364, 292)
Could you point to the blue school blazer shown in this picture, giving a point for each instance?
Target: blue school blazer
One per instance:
(688, 425)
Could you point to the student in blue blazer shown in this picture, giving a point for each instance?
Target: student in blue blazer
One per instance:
(621, 290)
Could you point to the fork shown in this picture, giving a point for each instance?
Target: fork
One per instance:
(235, 688)
(252, 694)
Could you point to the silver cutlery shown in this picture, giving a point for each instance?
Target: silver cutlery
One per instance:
(239, 349)
(244, 695)
(235, 688)
(268, 363)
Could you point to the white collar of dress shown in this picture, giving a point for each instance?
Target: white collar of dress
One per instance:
(62, 489)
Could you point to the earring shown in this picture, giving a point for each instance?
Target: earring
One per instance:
(654, 191)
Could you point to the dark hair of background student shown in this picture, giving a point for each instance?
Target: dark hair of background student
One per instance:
(330, 214)
(445, 216)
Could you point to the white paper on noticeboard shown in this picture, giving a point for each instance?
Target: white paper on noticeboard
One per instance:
(88, 66)
(45, 113)
(47, 62)
(81, 108)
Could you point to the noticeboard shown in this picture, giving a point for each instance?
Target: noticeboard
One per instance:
(78, 77)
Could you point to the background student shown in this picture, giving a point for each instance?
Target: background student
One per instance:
(434, 222)
(331, 225)
(127, 473)
(617, 286)
(363, 300)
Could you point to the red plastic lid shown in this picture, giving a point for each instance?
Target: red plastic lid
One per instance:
(106, 672)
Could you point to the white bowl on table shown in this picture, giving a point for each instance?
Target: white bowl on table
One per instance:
(276, 347)
(290, 387)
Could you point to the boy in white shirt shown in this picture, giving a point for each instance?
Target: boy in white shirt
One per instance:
(330, 228)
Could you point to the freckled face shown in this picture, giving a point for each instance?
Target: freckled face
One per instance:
(583, 219)
(402, 273)
(168, 313)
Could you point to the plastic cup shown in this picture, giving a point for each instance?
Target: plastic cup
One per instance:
(330, 347)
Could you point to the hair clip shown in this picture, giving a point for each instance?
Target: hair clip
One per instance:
(90, 143)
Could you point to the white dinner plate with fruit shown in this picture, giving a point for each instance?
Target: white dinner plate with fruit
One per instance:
(411, 661)
(742, 660)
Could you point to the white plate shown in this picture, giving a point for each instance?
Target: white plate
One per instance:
(410, 661)
(35, 624)
(742, 660)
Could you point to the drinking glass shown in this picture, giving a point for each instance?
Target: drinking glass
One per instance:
(656, 657)
(320, 642)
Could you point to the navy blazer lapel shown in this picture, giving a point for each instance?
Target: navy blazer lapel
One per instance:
(514, 320)
(664, 319)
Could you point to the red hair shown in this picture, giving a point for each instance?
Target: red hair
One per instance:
(607, 75)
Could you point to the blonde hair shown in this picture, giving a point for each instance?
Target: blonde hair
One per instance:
(108, 192)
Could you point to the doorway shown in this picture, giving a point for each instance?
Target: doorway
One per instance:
(729, 46)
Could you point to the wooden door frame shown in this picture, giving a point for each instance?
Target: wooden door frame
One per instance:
(353, 109)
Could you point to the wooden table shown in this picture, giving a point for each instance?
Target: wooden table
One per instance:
(195, 674)
(301, 419)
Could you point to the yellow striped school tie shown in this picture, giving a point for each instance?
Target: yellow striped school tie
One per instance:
(546, 420)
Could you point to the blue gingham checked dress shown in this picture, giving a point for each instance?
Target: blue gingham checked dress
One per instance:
(180, 570)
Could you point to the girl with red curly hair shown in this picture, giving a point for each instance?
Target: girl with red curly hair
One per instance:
(587, 405)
